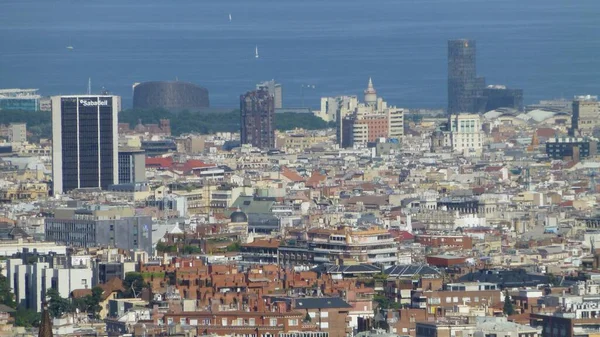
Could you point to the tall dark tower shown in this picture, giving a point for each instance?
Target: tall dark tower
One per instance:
(464, 87)
(84, 142)
(257, 109)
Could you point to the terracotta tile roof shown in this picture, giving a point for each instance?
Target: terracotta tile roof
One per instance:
(113, 285)
(291, 175)
(192, 164)
(545, 132)
(315, 179)
(159, 162)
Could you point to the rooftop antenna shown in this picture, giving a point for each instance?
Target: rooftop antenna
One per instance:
(89, 91)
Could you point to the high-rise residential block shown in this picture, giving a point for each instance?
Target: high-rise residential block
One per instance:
(132, 166)
(84, 142)
(257, 109)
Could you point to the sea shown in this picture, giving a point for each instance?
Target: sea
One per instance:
(549, 48)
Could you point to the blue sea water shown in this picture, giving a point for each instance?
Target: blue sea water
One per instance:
(550, 48)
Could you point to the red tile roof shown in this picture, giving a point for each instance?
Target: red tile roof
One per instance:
(545, 132)
(159, 162)
(192, 164)
(291, 175)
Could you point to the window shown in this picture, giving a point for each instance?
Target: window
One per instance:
(324, 314)
(293, 322)
(324, 325)
(251, 321)
(182, 321)
(455, 299)
(273, 321)
(448, 299)
(223, 321)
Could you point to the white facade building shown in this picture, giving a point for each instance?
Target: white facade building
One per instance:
(34, 280)
(466, 135)
(336, 108)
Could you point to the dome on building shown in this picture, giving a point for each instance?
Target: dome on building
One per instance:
(238, 216)
(370, 93)
(170, 95)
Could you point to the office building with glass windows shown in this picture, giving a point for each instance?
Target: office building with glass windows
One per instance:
(464, 87)
(19, 99)
(84, 142)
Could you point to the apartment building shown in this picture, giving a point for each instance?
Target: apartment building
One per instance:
(339, 246)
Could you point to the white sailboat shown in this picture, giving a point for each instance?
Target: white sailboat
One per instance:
(70, 47)
(229, 17)
(256, 52)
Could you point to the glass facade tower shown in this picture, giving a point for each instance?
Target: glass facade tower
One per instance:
(84, 142)
(464, 87)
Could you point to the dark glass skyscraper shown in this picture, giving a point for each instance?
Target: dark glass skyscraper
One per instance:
(464, 87)
(257, 109)
(84, 142)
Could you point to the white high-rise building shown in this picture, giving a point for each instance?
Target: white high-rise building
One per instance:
(466, 135)
(30, 282)
(84, 142)
(334, 109)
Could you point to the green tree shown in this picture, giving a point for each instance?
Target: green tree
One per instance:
(27, 318)
(93, 302)
(234, 247)
(57, 306)
(6, 295)
(187, 249)
(134, 284)
(508, 306)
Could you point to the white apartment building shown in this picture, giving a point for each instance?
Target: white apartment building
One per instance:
(466, 135)
(30, 282)
(336, 108)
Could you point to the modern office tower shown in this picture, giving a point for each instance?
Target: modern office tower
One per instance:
(586, 115)
(257, 109)
(499, 96)
(132, 166)
(464, 87)
(84, 142)
(170, 95)
(20, 99)
(274, 89)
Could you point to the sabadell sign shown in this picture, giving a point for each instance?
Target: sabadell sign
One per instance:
(89, 102)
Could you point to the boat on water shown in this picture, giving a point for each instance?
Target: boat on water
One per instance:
(229, 17)
(256, 52)
(70, 47)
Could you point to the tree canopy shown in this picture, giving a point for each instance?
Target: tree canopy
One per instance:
(210, 122)
(508, 306)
